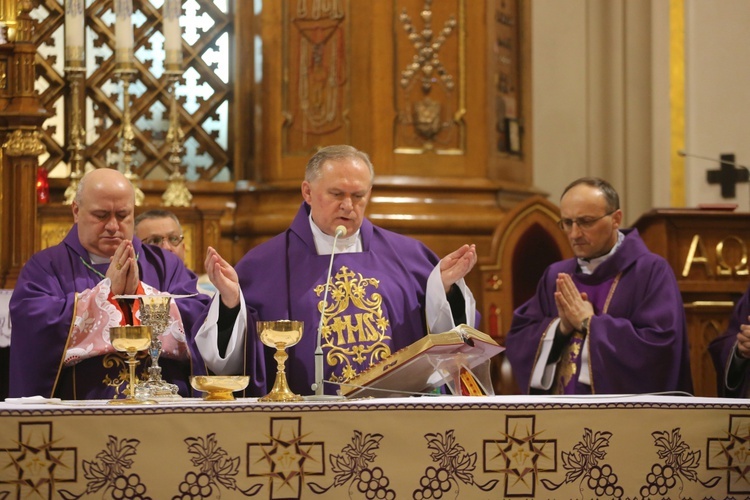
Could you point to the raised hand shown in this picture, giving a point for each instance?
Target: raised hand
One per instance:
(457, 264)
(224, 278)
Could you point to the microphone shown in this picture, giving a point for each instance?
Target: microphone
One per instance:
(727, 185)
(318, 385)
(685, 154)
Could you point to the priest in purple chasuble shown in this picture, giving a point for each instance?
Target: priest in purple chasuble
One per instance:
(609, 321)
(730, 352)
(386, 290)
(63, 304)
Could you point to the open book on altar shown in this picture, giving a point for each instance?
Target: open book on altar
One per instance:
(456, 358)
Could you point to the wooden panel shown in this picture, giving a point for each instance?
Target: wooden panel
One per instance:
(708, 254)
(426, 88)
(706, 249)
(705, 320)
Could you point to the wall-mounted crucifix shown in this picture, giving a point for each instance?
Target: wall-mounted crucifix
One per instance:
(728, 175)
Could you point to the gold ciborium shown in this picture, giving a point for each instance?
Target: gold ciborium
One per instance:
(155, 313)
(219, 387)
(130, 340)
(279, 335)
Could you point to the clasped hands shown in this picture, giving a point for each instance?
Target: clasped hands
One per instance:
(743, 340)
(123, 270)
(572, 306)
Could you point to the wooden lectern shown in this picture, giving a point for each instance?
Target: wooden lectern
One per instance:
(707, 250)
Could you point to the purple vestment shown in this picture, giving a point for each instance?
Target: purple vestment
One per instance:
(376, 303)
(45, 302)
(638, 338)
(722, 348)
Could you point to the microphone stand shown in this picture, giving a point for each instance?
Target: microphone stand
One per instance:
(721, 161)
(318, 385)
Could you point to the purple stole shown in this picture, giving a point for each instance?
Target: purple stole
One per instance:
(569, 366)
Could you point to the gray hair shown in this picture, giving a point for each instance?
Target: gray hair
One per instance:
(337, 152)
(156, 214)
(610, 195)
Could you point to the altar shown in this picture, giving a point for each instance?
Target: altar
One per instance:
(419, 447)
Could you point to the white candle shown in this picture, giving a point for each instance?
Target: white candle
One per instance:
(171, 11)
(123, 31)
(74, 16)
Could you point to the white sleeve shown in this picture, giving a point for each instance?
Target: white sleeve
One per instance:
(207, 340)
(584, 376)
(439, 317)
(543, 374)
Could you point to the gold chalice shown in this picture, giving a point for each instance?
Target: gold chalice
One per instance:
(279, 335)
(219, 387)
(130, 340)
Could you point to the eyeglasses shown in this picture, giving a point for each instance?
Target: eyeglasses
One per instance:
(582, 223)
(173, 240)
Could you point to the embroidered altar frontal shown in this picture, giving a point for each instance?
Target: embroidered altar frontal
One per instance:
(415, 448)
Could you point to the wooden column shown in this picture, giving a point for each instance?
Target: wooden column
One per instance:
(21, 116)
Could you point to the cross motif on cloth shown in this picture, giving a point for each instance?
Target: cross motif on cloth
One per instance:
(36, 465)
(520, 456)
(732, 454)
(728, 176)
(285, 459)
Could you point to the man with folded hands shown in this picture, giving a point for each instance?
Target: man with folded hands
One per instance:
(66, 300)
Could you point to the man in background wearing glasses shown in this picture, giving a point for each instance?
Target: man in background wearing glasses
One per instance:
(163, 229)
(610, 320)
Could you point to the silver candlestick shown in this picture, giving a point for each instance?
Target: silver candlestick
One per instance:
(127, 73)
(76, 75)
(177, 193)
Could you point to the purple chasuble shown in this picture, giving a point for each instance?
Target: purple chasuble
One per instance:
(722, 347)
(639, 344)
(376, 302)
(43, 306)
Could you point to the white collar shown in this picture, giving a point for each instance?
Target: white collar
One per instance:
(588, 266)
(324, 242)
(95, 259)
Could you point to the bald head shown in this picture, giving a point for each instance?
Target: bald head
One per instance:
(103, 209)
(101, 178)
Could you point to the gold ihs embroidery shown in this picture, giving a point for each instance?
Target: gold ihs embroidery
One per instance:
(355, 329)
(567, 367)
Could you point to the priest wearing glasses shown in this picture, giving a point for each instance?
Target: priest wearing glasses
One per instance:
(162, 228)
(608, 321)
